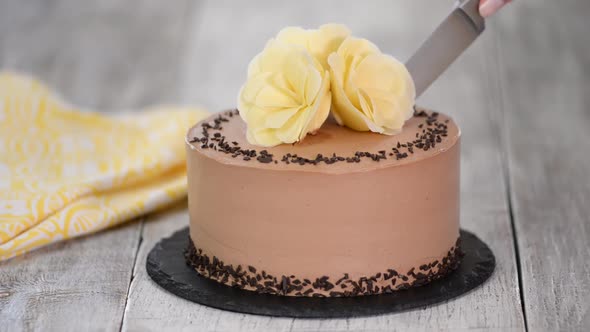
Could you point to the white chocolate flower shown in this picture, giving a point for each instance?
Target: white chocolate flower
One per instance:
(286, 95)
(320, 43)
(371, 90)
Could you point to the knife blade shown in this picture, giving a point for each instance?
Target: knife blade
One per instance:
(447, 42)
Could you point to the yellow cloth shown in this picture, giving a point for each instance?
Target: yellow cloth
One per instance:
(65, 173)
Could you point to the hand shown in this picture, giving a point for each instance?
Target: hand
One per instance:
(489, 7)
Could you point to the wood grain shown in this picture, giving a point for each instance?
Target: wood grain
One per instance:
(545, 79)
(107, 55)
(220, 45)
(78, 285)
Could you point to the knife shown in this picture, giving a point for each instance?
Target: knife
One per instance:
(446, 43)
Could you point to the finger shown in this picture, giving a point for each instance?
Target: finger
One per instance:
(489, 7)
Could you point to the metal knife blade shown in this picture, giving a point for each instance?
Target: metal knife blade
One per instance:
(446, 43)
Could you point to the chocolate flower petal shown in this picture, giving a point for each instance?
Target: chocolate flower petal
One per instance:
(371, 91)
(320, 43)
(285, 97)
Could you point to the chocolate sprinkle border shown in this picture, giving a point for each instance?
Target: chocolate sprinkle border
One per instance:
(252, 278)
(432, 132)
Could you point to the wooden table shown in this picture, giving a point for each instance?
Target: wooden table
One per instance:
(521, 95)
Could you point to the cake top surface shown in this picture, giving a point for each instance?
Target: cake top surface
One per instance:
(333, 149)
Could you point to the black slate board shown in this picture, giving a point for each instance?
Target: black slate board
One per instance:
(167, 267)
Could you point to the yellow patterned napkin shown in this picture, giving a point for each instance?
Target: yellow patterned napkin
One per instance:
(66, 173)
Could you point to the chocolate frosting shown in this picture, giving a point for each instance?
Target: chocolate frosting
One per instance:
(333, 139)
(319, 220)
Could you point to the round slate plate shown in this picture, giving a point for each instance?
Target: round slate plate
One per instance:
(166, 265)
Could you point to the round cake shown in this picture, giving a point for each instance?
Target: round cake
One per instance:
(341, 213)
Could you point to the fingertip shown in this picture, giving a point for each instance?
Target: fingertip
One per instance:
(489, 7)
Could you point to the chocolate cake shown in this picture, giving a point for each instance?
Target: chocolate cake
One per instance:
(340, 213)
(328, 181)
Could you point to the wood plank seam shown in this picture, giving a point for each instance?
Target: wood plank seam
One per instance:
(186, 17)
(506, 179)
(503, 139)
(139, 242)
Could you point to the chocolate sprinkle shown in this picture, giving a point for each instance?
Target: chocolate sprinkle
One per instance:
(291, 285)
(433, 134)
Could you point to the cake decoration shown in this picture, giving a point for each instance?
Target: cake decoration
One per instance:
(319, 43)
(290, 85)
(432, 132)
(371, 91)
(286, 95)
(251, 278)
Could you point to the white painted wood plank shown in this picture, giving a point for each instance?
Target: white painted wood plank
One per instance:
(78, 285)
(546, 85)
(227, 35)
(104, 55)
(107, 54)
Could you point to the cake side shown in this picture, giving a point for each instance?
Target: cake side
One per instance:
(371, 223)
(258, 280)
